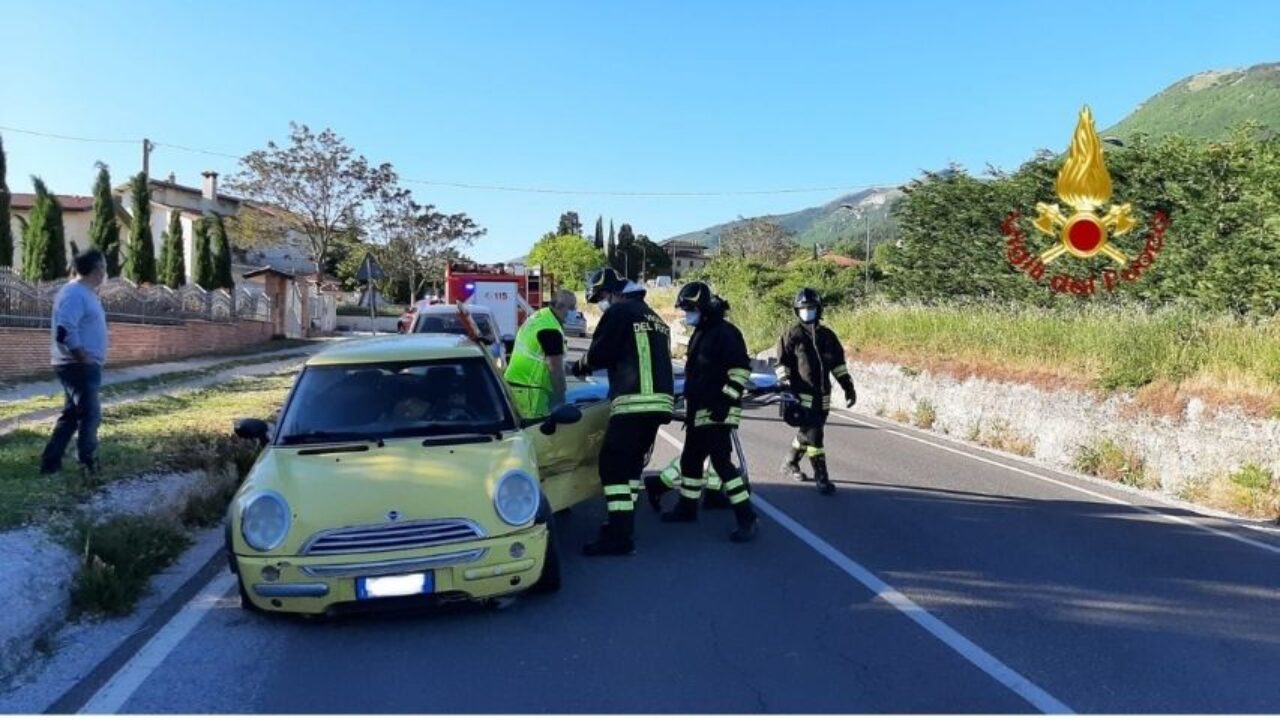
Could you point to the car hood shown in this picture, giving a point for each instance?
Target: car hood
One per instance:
(405, 478)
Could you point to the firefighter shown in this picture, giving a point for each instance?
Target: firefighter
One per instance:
(634, 345)
(716, 373)
(535, 372)
(809, 354)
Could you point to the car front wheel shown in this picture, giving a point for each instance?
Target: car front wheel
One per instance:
(550, 580)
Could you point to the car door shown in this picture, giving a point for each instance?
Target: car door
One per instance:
(567, 458)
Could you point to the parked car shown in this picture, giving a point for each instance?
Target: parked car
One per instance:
(445, 319)
(575, 324)
(400, 472)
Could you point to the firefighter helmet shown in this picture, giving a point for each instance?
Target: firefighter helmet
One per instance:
(807, 298)
(604, 280)
(694, 296)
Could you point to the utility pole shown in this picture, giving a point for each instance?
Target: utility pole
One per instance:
(147, 147)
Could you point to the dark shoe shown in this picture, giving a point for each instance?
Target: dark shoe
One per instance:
(686, 511)
(746, 531)
(820, 476)
(609, 545)
(715, 500)
(654, 490)
(47, 470)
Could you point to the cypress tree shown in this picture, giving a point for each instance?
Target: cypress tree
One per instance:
(44, 249)
(173, 268)
(599, 237)
(104, 231)
(202, 262)
(6, 229)
(140, 263)
(221, 259)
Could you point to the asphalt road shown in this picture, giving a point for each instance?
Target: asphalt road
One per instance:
(938, 579)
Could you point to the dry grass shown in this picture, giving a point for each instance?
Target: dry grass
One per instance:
(1251, 491)
(1109, 460)
(1001, 437)
(925, 415)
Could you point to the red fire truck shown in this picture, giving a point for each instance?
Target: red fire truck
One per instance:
(511, 292)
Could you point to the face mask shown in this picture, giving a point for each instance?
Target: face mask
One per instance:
(604, 305)
(691, 318)
(808, 314)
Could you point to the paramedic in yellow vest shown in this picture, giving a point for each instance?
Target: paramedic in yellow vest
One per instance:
(535, 372)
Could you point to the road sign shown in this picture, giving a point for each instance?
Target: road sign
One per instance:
(369, 268)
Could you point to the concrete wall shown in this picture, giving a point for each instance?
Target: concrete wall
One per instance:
(26, 350)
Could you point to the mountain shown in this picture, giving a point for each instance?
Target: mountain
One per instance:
(1206, 105)
(823, 224)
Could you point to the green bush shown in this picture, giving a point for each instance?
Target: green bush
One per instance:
(119, 556)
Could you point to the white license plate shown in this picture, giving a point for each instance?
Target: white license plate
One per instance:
(394, 585)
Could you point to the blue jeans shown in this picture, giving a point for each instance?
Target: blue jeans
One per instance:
(81, 410)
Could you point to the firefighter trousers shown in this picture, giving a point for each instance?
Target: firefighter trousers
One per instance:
(809, 438)
(712, 443)
(627, 440)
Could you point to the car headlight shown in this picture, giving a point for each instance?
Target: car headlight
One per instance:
(264, 523)
(516, 497)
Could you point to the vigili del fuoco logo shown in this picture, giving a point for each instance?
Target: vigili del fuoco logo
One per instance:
(1084, 230)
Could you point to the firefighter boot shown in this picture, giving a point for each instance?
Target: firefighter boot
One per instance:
(748, 522)
(654, 489)
(686, 511)
(791, 468)
(825, 486)
(615, 537)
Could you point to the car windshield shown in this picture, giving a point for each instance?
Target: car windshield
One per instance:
(452, 324)
(387, 400)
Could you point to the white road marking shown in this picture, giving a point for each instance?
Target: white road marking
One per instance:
(984, 661)
(1274, 549)
(116, 692)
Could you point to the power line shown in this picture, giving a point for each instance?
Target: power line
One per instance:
(68, 137)
(499, 188)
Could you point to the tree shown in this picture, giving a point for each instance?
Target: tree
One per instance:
(320, 184)
(416, 241)
(622, 253)
(44, 249)
(202, 256)
(173, 267)
(104, 231)
(758, 239)
(140, 260)
(569, 224)
(570, 258)
(599, 236)
(612, 247)
(221, 257)
(6, 227)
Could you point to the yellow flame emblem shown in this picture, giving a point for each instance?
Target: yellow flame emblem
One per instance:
(1085, 185)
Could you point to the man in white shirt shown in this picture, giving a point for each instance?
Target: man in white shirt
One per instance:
(78, 351)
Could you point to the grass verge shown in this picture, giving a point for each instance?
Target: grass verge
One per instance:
(18, 408)
(118, 558)
(188, 431)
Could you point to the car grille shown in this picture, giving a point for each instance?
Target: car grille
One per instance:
(404, 535)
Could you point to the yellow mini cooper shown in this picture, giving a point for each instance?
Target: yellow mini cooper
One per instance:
(400, 473)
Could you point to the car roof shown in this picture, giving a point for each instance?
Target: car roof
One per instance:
(397, 348)
(453, 310)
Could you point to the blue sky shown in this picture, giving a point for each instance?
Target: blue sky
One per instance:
(661, 96)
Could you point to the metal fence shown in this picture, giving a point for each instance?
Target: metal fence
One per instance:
(24, 304)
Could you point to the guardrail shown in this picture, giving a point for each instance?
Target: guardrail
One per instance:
(25, 304)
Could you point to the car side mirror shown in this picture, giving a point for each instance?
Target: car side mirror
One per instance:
(566, 414)
(251, 429)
